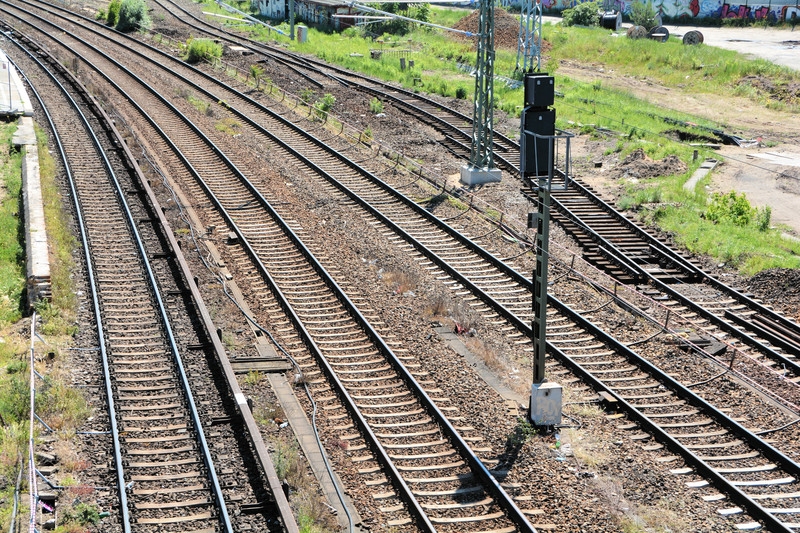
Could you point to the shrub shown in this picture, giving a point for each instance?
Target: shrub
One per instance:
(585, 14)
(731, 207)
(643, 14)
(306, 95)
(257, 72)
(461, 93)
(112, 16)
(324, 105)
(376, 106)
(203, 50)
(84, 514)
(763, 217)
(133, 16)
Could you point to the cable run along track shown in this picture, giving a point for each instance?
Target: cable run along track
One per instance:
(682, 425)
(166, 474)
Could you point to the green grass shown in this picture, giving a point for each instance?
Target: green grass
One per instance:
(59, 314)
(698, 69)
(12, 252)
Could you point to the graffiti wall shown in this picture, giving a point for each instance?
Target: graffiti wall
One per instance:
(776, 11)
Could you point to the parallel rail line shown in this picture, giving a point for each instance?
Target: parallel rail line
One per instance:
(155, 423)
(342, 338)
(653, 379)
(611, 241)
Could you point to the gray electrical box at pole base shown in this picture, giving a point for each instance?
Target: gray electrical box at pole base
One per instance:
(302, 34)
(546, 404)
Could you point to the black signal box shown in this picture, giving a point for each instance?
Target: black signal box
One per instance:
(537, 152)
(539, 90)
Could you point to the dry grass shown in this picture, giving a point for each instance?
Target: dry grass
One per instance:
(400, 281)
(588, 451)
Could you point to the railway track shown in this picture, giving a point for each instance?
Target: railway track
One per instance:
(166, 473)
(150, 404)
(618, 374)
(359, 356)
(610, 241)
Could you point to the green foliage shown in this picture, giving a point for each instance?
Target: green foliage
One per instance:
(286, 458)
(256, 71)
(12, 254)
(763, 217)
(83, 514)
(375, 106)
(306, 95)
(112, 16)
(461, 93)
(133, 16)
(203, 50)
(584, 14)
(522, 432)
(14, 393)
(233, 127)
(201, 105)
(729, 207)
(393, 26)
(643, 14)
(422, 12)
(324, 105)
(59, 315)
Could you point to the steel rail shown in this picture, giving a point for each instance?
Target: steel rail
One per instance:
(254, 433)
(489, 481)
(139, 244)
(93, 287)
(728, 326)
(748, 505)
(397, 478)
(675, 258)
(284, 56)
(655, 244)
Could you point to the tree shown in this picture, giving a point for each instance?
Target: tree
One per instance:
(643, 14)
(584, 14)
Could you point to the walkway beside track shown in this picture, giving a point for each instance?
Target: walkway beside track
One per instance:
(37, 267)
(14, 99)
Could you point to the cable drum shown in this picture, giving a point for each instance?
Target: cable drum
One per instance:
(637, 32)
(611, 20)
(659, 33)
(693, 37)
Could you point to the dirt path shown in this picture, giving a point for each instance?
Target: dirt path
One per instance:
(768, 171)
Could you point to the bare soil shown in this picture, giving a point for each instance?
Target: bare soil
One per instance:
(766, 170)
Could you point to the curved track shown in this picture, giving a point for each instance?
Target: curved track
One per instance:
(640, 376)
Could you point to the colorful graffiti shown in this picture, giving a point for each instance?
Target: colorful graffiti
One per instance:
(774, 11)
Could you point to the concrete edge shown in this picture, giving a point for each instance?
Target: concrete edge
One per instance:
(36, 243)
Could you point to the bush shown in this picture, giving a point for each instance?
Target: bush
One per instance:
(375, 106)
(112, 16)
(324, 105)
(585, 14)
(731, 207)
(306, 95)
(763, 218)
(133, 16)
(461, 93)
(643, 14)
(203, 50)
